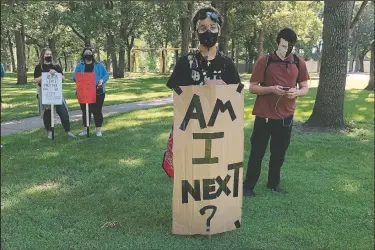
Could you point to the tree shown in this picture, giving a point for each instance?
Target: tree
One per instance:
(370, 85)
(328, 111)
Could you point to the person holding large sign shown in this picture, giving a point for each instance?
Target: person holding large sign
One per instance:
(205, 66)
(274, 80)
(89, 64)
(46, 64)
(205, 158)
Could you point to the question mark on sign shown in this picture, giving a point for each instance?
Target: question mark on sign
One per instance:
(203, 211)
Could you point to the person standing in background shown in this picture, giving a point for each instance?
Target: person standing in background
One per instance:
(89, 64)
(46, 64)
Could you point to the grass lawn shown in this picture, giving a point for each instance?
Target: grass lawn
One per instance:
(60, 194)
(19, 101)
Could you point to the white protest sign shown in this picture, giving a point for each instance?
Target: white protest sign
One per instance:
(52, 88)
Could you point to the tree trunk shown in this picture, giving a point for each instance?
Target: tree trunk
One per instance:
(98, 55)
(319, 65)
(52, 46)
(21, 60)
(108, 62)
(260, 42)
(65, 61)
(370, 85)
(194, 40)
(37, 51)
(328, 111)
(236, 56)
(121, 64)
(185, 28)
(112, 52)
(10, 44)
(87, 41)
(128, 57)
(357, 63)
(175, 56)
(224, 38)
(232, 53)
(28, 57)
(361, 59)
(129, 46)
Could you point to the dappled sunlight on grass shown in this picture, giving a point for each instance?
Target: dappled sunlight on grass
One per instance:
(132, 162)
(47, 186)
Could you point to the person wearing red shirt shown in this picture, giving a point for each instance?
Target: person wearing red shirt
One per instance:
(277, 79)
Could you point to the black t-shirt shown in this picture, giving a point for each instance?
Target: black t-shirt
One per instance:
(46, 68)
(220, 68)
(89, 67)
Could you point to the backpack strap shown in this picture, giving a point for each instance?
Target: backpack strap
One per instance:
(296, 62)
(268, 62)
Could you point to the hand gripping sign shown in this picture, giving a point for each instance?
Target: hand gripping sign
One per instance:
(208, 147)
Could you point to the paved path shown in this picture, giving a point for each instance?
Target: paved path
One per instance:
(16, 126)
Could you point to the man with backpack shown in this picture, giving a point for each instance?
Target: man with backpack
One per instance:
(277, 79)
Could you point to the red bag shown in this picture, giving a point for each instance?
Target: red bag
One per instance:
(168, 157)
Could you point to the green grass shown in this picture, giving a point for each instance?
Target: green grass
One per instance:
(19, 101)
(59, 194)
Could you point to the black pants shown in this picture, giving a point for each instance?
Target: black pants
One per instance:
(95, 109)
(62, 111)
(280, 138)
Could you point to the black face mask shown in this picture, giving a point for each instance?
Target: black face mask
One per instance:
(48, 58)
(88, 57)
(208, 39)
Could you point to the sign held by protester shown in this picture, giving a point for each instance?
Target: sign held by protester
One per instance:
(86, 87)
(52, 88)
(208, 147)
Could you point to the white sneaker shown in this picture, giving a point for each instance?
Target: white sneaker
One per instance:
(70, 134)
(49, 135)
(98, 133)
(83, 133)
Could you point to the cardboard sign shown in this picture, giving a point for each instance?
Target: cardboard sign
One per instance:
(52, 88)
(86, 87)
(208, 147)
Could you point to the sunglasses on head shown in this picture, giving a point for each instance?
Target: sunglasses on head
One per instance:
(214, 17)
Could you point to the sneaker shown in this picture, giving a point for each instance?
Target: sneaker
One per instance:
(248, 192)
(70, 134)
(98, 133)
(83, 133)
(49, 135)
(278, 190)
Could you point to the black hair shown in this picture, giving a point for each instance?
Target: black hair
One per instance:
(288, 35)
(200, 14)
(83, 52)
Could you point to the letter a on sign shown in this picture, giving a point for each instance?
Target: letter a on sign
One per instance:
(208, 147)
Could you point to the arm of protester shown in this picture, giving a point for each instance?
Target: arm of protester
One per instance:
(37, 74)
(180, 73)
(75, 71)
(230, 75)
(104, 74)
